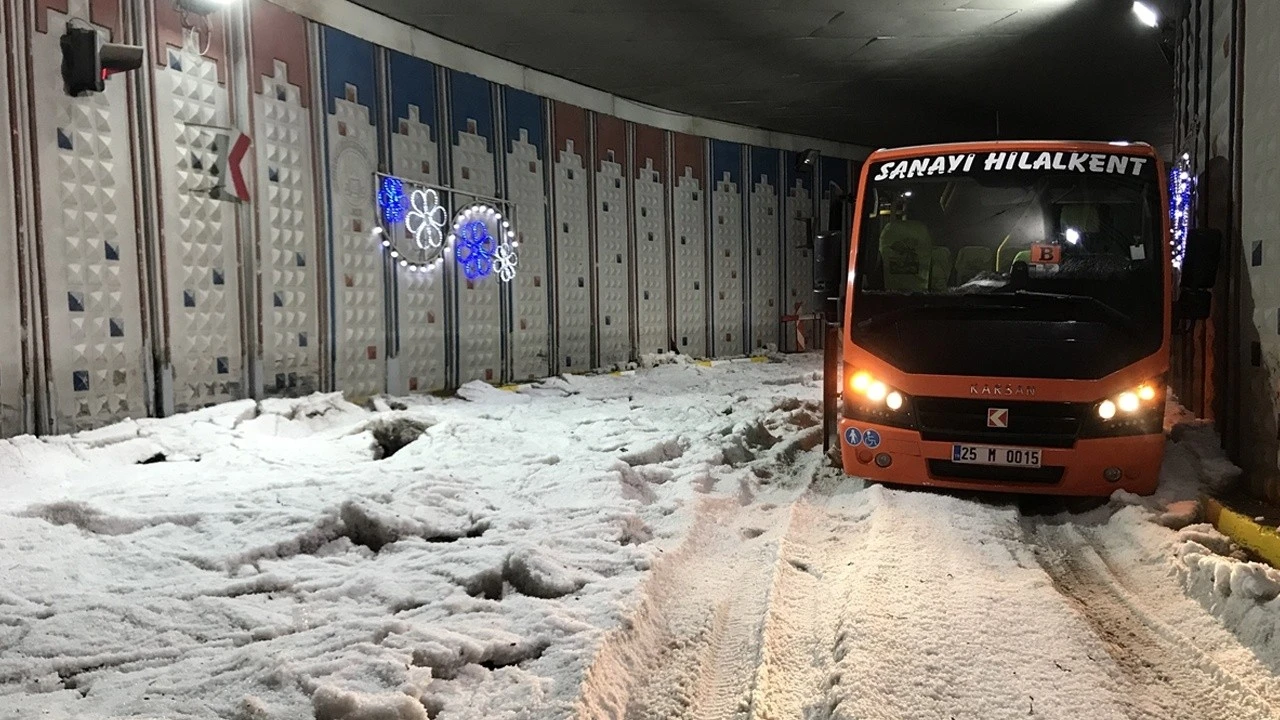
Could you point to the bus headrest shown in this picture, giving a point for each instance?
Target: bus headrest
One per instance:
(1083, 217)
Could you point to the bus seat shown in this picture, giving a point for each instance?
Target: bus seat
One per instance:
(940, 270)
(1007, 257)
(973, 260)
(907, 253)
(1083, 217)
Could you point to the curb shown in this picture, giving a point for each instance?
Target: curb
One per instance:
(1247, 530)
(512, 387)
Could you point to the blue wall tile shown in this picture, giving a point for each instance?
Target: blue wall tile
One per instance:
(413, 82)
(348, 60)
(764, 161)
(471, 100)
(789, 167)
(726, 157)
(525, 111)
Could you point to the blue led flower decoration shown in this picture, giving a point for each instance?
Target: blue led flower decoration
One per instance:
(391, 200)
(474, 249)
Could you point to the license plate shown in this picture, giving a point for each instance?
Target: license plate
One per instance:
(995, 455)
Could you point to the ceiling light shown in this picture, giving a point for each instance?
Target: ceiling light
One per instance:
(1146, 14)
(1073, 236)
(202, 7)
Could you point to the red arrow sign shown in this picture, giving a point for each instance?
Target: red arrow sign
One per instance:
(235, 166)
(998, 417)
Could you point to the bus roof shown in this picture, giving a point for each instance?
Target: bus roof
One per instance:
(1127, 148)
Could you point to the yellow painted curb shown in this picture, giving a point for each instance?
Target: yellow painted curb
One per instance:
(703, 363)
(509, 388)
(1247, 532)
(759, 359)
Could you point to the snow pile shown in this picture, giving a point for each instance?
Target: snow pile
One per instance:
(1244, 594)
(1168, 530)
(310, 558)
(330, 703)
(537, 573)
(651, 360)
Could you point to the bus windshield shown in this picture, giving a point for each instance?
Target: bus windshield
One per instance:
(1016, 236)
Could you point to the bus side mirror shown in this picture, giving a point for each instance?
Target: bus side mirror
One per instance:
(828, 264)
(1200, 263)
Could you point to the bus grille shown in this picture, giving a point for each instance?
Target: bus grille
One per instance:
(1048, 425)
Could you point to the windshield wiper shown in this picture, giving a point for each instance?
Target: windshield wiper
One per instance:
(1129, 323)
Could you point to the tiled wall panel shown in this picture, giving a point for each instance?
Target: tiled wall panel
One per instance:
(652, 240)
(1260, 233)
(631, 239)
(613, 253)
(286, 200)
(765, 241)
(690, 249)
(11, 366)
(474, 149)
(1223, 70)
(198, 231)
(357, 302)
(415, 155)
(572, 238)
(88, 234)
(728, 247)
(797, 256)
(527, 189)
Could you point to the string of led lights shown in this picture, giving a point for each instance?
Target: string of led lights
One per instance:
(412, 223)
(1182, 187)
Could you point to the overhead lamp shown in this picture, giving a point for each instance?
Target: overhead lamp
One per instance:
(806, 161)
(202, 7)
(1146, 14)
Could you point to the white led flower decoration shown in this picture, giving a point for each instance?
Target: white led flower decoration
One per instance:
(425, 221)
(504, 262)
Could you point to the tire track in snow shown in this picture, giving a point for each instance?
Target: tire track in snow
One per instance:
(1167, 674)
(736, 624)
(796, 669)
(691, 646)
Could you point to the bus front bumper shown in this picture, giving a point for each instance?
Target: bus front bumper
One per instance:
(1094, 467)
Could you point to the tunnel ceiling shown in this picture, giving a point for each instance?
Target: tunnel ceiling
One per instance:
(871, 72)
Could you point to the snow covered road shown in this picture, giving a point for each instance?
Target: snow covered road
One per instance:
(667, 544)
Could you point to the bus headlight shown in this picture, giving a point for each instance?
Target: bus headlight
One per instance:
(1138, 411)
(862, 384)
(1106, 410)
(872, 400)
(1129, 401)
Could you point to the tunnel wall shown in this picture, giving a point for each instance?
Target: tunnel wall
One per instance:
(128, 290)
(1228, 71)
